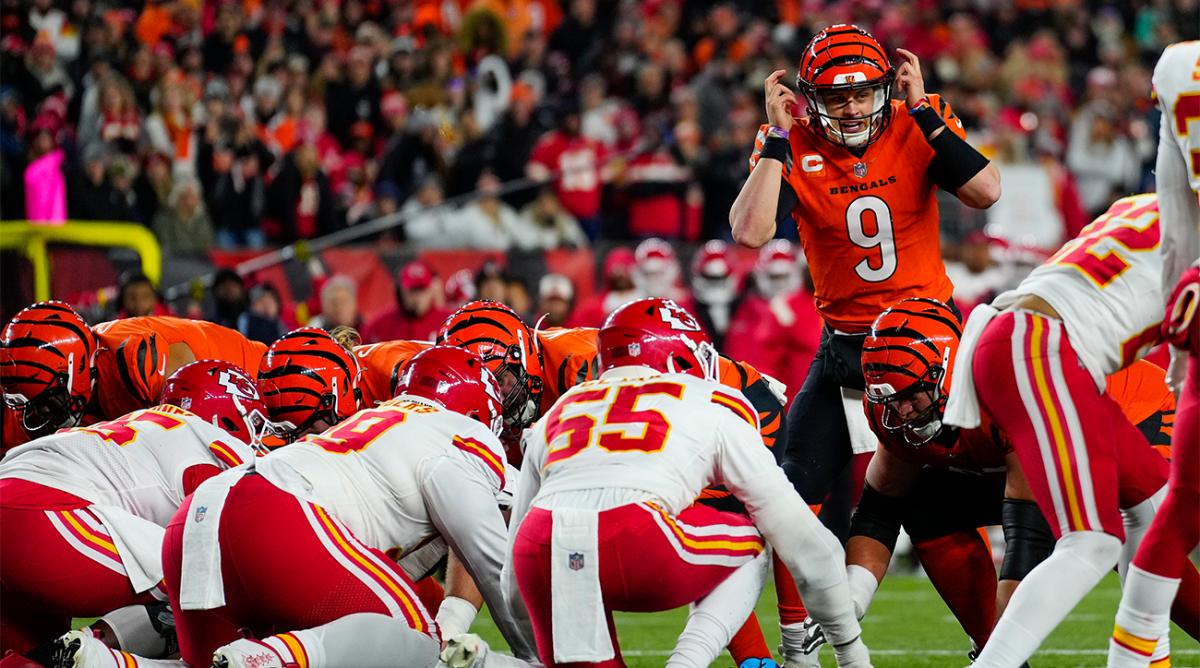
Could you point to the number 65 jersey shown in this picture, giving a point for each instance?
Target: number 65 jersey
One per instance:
(1105, 285)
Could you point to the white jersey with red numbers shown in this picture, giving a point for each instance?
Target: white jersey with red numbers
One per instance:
(143, 462)
(1177, 170)
(1104, 284)
(634, 436)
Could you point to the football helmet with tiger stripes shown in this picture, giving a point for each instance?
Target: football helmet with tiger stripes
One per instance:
(841, 62)
(511, 351)
(907, 362)
(223, 394)
(47, 366)
(307, 377)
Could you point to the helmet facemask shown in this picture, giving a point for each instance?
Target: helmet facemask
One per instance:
(54, 408)
(914, 412)
(832, 123)
(519, 393)
(703, 353)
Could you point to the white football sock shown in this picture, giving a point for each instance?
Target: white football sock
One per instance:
(365, 640)
(714, 619)
(1137, 522)
(1143, 617)
(1047, 595)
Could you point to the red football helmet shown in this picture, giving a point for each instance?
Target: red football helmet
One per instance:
(509, 348)
(47, 366)
(457, 380)
(657, 267)
(713, 279)
(308, 376)
(843, 63)
(778, 269)
(907, 361)
(657, 333)
(223, 394)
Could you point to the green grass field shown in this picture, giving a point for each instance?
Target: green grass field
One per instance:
(908, 627)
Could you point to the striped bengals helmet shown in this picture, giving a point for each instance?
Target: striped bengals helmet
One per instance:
(47, 366)
(907, 361)
(844, 59)
(509, 348)
(307, 376)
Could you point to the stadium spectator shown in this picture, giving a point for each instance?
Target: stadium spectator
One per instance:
(169, 127)
(153, 185)
(300, 198)
(1102, 157)
(419, 308)
(715, 288)
(229, 298)
(263, 320)
(339, 304)
(491, 283)
(90, 194)
(574, 163)
(183, 226)
(556, 298)
(486, 223)
(137, 296)
(618, 288)
(459, 289)
(428, 223)
(544, 224)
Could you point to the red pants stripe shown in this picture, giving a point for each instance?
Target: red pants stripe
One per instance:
(286, 565)
(1082, 457)
(57, 561)
(649, 561)
(1176, 530)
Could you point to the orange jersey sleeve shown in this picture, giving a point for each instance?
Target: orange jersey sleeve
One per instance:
(569, 357)
(869, 224)
(381, 364)
(1141, 391)
(132, 357)
(772, 418)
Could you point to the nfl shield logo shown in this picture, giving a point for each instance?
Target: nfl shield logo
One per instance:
(201, 511)
(575, 561)
(635, 349)
(860, 170)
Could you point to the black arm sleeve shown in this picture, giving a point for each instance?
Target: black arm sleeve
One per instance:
(878, 517)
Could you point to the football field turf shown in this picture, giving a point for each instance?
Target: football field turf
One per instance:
(908, 627)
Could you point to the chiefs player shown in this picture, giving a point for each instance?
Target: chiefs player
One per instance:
(86, 507)
(535, 368)
(1034, 362)
(858, 175)
(662, 423)
(380, 484)
(1163, 555)
(55, 370)
(908, 360)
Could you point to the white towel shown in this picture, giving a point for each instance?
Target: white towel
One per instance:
(962, 408)
(577, 602)
(138, 541)
(862, 439)
(201, 586)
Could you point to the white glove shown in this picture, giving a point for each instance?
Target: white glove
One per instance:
(455, 616)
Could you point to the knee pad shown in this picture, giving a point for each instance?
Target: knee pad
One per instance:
(1027, 537)
(1096, 549)
(878, 517)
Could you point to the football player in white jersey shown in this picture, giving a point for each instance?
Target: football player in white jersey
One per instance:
(1035, 362)
(300, 548)
(605, 512)
(1160, 561)
(83, 510)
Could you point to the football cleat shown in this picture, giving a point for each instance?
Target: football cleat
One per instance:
(759, 663)
(247, 653)
(81, 649)
(465, 650)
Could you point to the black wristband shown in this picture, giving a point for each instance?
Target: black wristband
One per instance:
(954, 161)
(776, 148)
(928, 120)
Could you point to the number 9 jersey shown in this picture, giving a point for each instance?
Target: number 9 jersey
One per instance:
(1104, 284)
(869, 224)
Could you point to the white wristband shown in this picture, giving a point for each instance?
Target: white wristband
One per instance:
(862, 584)
(455, 616)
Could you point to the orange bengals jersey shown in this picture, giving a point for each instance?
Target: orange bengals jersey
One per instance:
(381, 363)
(1139, 389)
(869, 225)
(132, 357)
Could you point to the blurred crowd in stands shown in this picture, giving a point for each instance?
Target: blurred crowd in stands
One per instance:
(241, 123)
(524, 125)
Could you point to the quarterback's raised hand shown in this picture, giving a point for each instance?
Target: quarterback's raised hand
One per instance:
(780, 101)
(909, 79)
